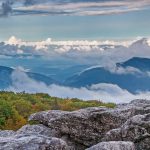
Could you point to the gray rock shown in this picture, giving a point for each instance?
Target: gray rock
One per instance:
(43, 130)
(31, 142)
(113, 146)
(86, 126)
(73, 145)
(136, 129)
(138, 106)
(36, 129)
(139, 102)
(6, 133)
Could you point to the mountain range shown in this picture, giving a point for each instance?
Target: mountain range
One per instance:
(6, 79)
(132, 75)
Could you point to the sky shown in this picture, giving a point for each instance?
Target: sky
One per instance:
(74, 20)
(64, 37)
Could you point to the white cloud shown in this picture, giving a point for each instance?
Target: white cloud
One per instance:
(124, 70)
(16, 41)
(118, 70)
(105, 92)
(103, 53)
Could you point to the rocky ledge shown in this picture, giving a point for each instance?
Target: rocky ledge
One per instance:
(126, 127)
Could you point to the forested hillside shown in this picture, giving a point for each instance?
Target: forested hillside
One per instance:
(15, 108)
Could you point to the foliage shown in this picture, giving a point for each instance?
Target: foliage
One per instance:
(15, 108)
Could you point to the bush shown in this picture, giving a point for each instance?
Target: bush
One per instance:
(15, 108)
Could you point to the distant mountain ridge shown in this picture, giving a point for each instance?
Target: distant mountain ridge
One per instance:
(137, 62)
(132, 82)
(6, 80)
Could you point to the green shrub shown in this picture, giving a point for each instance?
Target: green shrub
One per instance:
(15, 108)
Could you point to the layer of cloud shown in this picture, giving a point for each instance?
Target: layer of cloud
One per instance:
(105, 92)
(103, 53)
(71, 7)
(90, 53)
(119, 70)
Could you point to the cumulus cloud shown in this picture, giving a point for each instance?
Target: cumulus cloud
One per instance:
(102, 53)
(105, 92)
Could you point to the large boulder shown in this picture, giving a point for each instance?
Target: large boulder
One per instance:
(88, 126)
(113, 146)
(31, 142)
(31, 137)
(85, 126)
(135, 107)
(36, 129)
(81, 129)
(135, 129)
(6, 133)
(43, 130)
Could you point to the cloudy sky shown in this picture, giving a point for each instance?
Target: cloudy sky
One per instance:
(44, 35)
(74, 19)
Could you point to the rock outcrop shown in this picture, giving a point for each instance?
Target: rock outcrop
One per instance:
(136, 129)
(113, 146)
(31, 142)
(126, 127)
(30, 137)
(86, 126)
